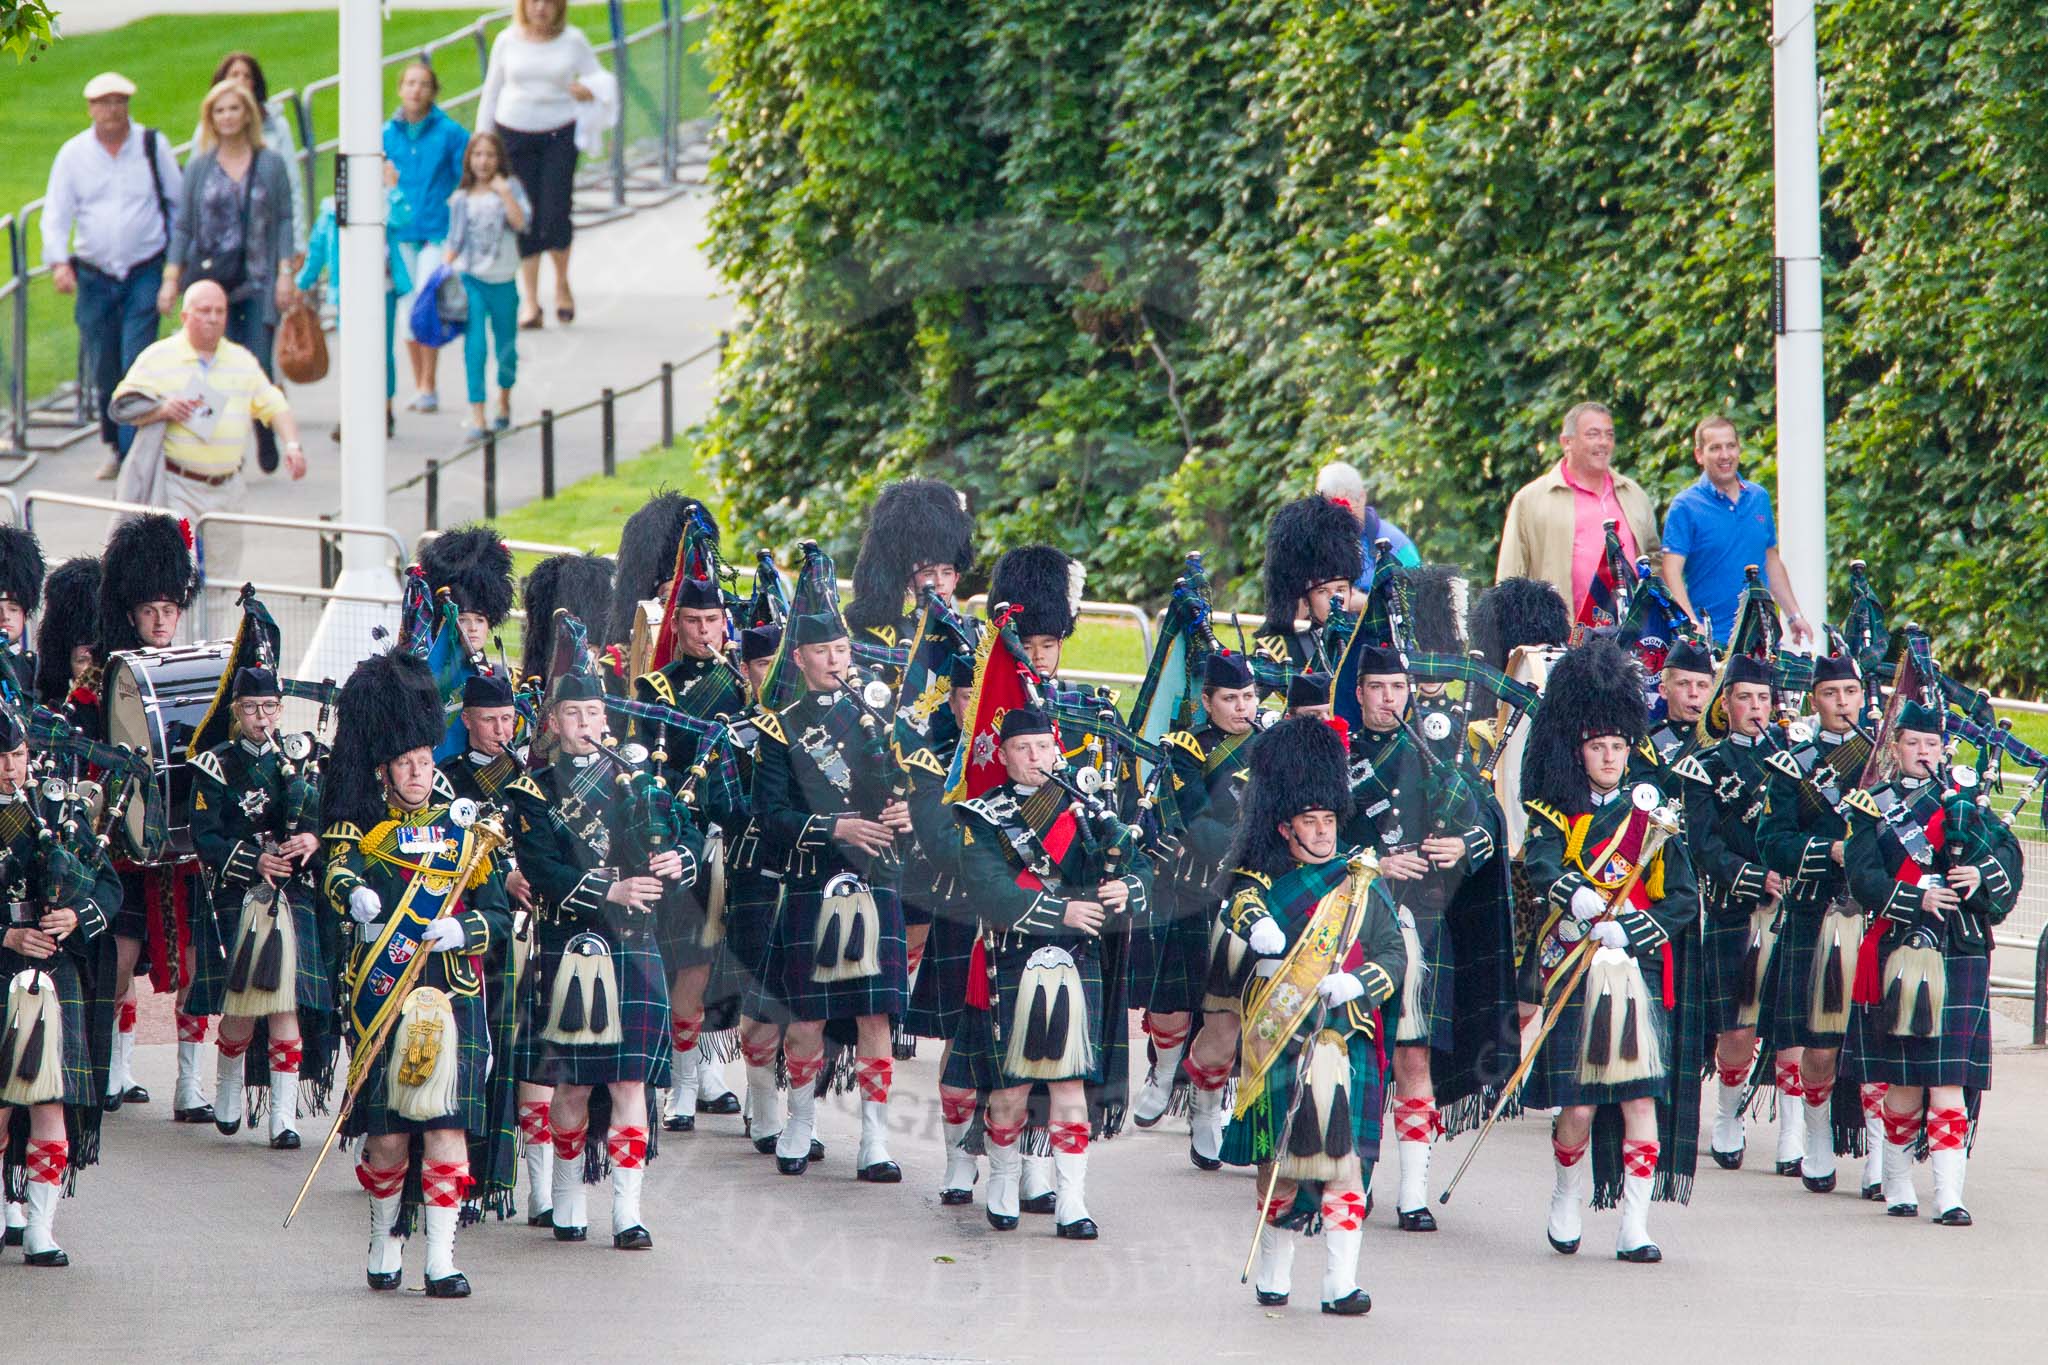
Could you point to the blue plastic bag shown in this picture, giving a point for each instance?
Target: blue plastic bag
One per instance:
(440, 310)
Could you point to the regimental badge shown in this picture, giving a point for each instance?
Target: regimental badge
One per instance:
(825, 755)
(382, 981)
(984, 748)
(1436, 726)
(598, 837)
(255, 801)
(402, 951)
(1729, 789)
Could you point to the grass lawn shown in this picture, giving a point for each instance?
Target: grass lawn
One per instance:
(170, 59)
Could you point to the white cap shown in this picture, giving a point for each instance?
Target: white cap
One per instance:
(109, 83)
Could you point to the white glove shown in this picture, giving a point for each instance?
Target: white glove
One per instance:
(1587, 905)
(1339, 988)
(363, 905)
(444, 935)
(1266, 939)
(1608, 934)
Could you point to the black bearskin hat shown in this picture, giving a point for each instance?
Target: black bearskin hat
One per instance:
(1298, 765)
(913, 522)
(21, 567)
(148, 560)
(1595, 689)
(1045, 583)
(1516, 612)
(1439, 591)
(389, 706)
(1309, 541)
(475, 565)
(647, 557)
(71, 617)
(580, 583)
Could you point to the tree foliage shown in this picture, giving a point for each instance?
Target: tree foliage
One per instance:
(1128, 270)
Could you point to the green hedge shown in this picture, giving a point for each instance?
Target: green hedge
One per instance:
(1128, 270)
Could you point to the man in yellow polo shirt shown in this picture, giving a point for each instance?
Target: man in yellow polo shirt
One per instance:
(207, 390)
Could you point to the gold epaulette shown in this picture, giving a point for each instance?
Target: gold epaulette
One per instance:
(526, 786)
(346, 831)
(1550, 813)
(208, 763)
(1863, 803)
(770, 724)
(658, 684)
(1274, 648)
(1185, 740)
(1691, 769)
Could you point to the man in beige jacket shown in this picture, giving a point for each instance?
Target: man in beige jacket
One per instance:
(1554, 529)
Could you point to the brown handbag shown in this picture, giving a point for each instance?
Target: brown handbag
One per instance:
(301, 346)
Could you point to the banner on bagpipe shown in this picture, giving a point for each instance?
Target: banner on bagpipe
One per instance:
(1863, 631)
(815, 593)
(1652, 622)
(1170, 697)
(1003, 682)
(1388, 619)
(1755, 635)
(924, 722)
(1611, 590)
(696, 560)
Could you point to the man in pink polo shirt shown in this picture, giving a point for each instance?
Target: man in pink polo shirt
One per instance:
(1555, 526)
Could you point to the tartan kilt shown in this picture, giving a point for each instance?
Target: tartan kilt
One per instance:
(979, 1050)
(1254, 1138)
(1724, 944)
(1961, 1055)
(372, 1115)
(1554, 1078)
(752, 902)
(678, 930)
(79, 1085)
(212, 923)
(644, 1049)
(1439, 986)
(939, 994)
(1170, 956)
(792, 950)
(1785, 1019)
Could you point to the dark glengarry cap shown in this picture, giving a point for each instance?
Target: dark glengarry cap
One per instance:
(1745, 668)
(575, 687)
(1916, 715)
(256, 682)
(1835, 668)
(1379, 661)
(486, 690)
(1225, 669)
(819, 628)
(1025, 720)
(1308, 689)
(1689, 654)
(699, 594)
(759, 642)
(962, 670)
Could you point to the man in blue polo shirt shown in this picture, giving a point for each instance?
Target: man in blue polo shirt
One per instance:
(1716, 529)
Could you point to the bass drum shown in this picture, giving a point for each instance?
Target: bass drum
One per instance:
(156, 698)
(646, 632)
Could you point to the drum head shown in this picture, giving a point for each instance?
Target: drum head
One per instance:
(156, 698)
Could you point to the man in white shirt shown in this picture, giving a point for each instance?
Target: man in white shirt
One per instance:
(106, 225)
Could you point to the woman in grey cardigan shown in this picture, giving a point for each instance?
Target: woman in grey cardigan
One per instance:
(234, 216)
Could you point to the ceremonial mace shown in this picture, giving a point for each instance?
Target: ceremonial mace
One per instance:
(490, 834)
(1659, 831)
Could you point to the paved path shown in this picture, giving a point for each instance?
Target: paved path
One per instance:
(177, 1250)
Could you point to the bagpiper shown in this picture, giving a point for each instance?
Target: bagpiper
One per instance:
(1801, 838)
(1621, 1060)
(829, 819)
(1313, 556)
(262, 952)
(56, 962)
(412, 878)
(1937, 872)
(147, 580)
(1436, 837)
(21, 592)
(603, 845)
(1209, 769)
(1683, 689)
(1312, 1077)
(67, 671)
(1047, 871)
(648, 545)
(1724, 793)
(473, 565)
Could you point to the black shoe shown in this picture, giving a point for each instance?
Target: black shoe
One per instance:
(1819, 1185)
(112, 1102)
(766, 1145)
(563, 1234)
(728, 1103)
(792, 1165)
(956, 1197)
(226, 1129)
(1143, 1122)
(680, 1123)
(1270, 1300)
(47, 1260)
(383, 1279)
(287, 1141)
(544, 1219)
(1202, 1163)
(266, 451)
(881, 1173)
(817, 1150)
(1790, 1167)
(14, 1237)
(1727, 1161)
(1570, 1248)
(1874, 1193)
(1902, 1210)
(1957, 1217)
(1416, 1220)
(1002, 1222)
(635, 1238)
(456, 1286)
(1353, 1305)
(1080, 1230)
(198, 1114)
(135, 1094)
(1646, 1254)
(1040, 1203)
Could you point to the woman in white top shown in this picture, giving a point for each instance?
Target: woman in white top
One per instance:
(537, 78)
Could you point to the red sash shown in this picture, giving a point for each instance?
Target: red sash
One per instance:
(1869, 988)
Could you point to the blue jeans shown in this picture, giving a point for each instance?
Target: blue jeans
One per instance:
(498, 306)
(246, 327)
(117, 320)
